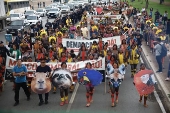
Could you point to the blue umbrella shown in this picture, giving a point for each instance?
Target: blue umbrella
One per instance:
(95, 77)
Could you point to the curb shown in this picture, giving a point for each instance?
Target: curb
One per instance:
(161, 85)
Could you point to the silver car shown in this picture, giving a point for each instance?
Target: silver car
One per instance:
(65, 9)
(53, 13)
(41, 12)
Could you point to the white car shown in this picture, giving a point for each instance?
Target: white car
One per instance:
(54, 13)
(60, 5)
(30, 12)
(94, 2)
(75, 3)
(15, 16)
(42, 12)
(48, 8)
(82, 3)
(33, 19)
(86, 2)
(65, 9)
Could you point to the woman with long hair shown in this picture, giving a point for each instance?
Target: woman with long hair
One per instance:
(114, 83)
(89, 87)
(83, 54)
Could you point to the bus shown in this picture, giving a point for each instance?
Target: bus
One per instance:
(16, 6)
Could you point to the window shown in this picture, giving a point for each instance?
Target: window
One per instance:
(23, 4)
(20, 4)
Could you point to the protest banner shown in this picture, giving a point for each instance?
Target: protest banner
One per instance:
(74, 44)
(31, 66)
(115, 17)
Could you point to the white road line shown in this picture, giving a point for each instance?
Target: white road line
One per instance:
(156, 95)
(72, 98)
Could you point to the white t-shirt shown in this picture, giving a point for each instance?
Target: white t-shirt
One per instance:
(84, 31)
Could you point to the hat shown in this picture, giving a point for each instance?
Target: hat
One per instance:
(148, 21)
(1, 42)
(126, 28)
(152, 25)
(115, 28)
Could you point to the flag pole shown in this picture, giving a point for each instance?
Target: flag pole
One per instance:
(105, 83)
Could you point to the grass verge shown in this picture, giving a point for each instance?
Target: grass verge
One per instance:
(154, 5)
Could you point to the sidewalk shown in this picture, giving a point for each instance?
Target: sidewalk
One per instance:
(164, 85)
(35, 3)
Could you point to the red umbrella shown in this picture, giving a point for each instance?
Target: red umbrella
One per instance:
(144, 82)
(99, 10)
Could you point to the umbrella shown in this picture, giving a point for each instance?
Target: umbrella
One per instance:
(99, 10)
(91, 75)
(144, 82)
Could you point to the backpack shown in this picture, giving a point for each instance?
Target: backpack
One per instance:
(163, 50)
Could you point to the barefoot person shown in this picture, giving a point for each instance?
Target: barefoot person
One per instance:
(115, 81)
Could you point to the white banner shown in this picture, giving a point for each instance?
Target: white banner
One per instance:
(114, 17)
(32, 66)
(74, 44)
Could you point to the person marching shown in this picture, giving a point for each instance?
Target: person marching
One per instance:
(45, 69)
(89, 87)
(133, 59)
(63, 91)
(121, 57)
(142, 67)
(20, 73)
(115, 81)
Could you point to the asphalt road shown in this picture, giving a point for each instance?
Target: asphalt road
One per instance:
(128, 99)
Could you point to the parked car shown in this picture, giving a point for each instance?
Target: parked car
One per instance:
(17, 26)
(53, 13)
(14, 16)
(41, 12)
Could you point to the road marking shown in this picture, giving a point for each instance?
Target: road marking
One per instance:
(155, 93)
(72, 98)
